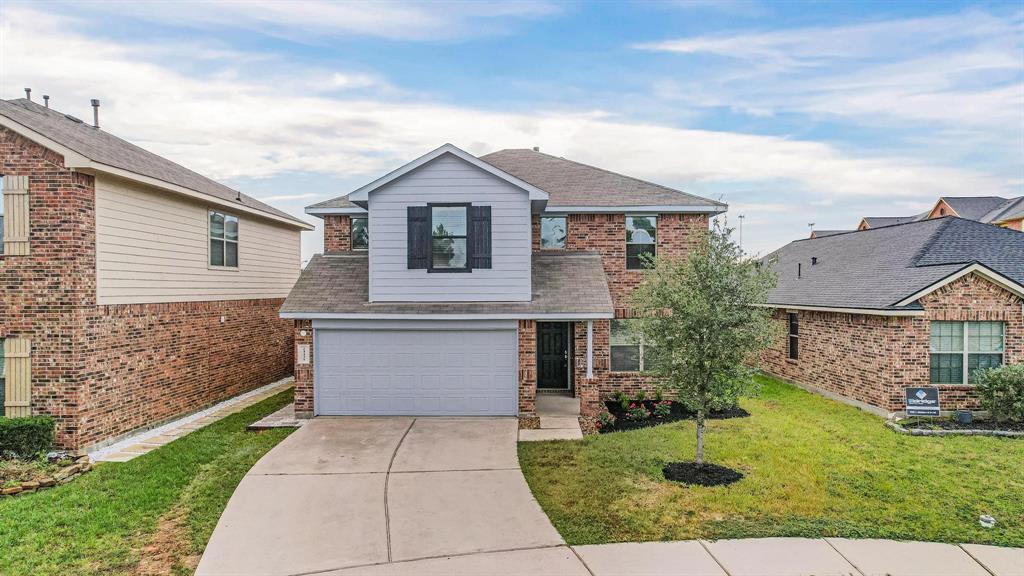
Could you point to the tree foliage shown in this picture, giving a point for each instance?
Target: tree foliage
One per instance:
(701, 325)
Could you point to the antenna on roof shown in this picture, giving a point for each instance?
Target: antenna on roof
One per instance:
(28, 94)
(46, 100)
(95, 113)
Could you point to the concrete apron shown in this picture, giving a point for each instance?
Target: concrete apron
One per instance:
(360, 492)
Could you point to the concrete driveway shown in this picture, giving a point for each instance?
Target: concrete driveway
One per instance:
(365, 492)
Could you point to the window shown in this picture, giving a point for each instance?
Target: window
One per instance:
(641, 237)
(223, 240)
(552, 232)
(794, 336)
(448, 225)
(958, 349)
(629, 354)
(360, 233)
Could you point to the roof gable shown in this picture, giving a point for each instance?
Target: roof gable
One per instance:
(360, 196)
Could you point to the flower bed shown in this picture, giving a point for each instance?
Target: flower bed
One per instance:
(22, 476)
(950, 427)
(639, 413)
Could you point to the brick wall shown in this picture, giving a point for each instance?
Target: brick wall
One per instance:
(337, 233)
(873, 358)
(527, 368)
(304, 373)
(105, 370)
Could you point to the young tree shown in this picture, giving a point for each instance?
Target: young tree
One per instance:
(700, 324)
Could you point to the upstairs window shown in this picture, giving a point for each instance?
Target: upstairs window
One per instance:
(959, 349)
(360, 233)
(223, 240)
(448, 230)
(641, 240)
(794, 336)
(552, 232)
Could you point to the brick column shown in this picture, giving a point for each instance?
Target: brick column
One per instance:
(337, 234)
(527, 368)
(304, 372)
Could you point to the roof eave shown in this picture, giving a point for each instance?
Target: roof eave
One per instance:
(647, 208)
(976, 268)
(843, 310)
(549, 316)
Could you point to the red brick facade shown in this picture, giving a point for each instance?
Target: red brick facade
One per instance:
(337, 233)
(304, 372)
(871, 359)
(527, 368)
(103, 371)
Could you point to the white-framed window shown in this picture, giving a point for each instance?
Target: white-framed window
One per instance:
(449, 225)
(360, 232)
(552, 232)
(641, 241)
(958, 349)
(223, 240)
(629, 353)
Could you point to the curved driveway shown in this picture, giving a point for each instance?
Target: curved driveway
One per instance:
(366, 492)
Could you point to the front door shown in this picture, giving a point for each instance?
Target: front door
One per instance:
(553, 355)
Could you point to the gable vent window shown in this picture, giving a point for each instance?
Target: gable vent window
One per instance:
(641, 241)
(360, 233)
(960, 349)
(794, 336)
(223, 240)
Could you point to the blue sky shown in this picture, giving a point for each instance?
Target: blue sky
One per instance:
(792, 112)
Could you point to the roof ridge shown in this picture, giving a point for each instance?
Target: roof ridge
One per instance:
(876, 229)
(606, 171)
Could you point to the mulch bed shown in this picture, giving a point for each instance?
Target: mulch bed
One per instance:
(950, 424)
(703, 475)
(679, 412)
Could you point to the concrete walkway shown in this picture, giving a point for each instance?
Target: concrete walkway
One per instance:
(559, 417)
(445, 496)
(143, 442)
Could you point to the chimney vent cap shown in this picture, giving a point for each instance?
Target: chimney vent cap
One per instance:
(536, 148)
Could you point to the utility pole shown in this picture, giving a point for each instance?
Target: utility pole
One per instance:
(742, 216)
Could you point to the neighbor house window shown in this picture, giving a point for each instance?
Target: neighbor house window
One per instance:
(360, 233)
(641, 237)
(794, 336)
(448, 225)
(223, 240)
(629, 353)
(958, 349)
(552, 232)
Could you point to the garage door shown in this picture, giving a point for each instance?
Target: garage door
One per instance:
(416, 372)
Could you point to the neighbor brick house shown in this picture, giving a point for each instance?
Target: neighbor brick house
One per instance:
(865, 314)
(458, 285)
(134, 290)
(1005, 212)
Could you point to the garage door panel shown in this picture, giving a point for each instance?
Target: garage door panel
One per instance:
(425, 372)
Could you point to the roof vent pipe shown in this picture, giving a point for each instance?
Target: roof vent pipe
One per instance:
(799, 269)
(46, 100)
(536, 148)
(95, 113)
(28, 94)
(814, 260)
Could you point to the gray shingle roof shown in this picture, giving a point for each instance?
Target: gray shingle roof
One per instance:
(563, 283)
(1011, 209)
(974, 207)
(878, 267)
(570, 183)
(105, 148)
(880, 221)
(822, 233)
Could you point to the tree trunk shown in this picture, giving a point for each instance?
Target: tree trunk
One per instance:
(700, 438)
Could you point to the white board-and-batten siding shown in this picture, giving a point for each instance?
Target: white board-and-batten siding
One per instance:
(153, 247)
(448, 179)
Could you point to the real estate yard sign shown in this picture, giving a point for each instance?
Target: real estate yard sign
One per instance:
(922, 401)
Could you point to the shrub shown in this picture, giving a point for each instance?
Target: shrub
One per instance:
(1001, 392)
(26, 437)
(623, 399)
(662, 409)
(605, 420)
(659, 393)
(640, 396)
(637, 412)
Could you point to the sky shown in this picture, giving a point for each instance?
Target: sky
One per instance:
(791, 112)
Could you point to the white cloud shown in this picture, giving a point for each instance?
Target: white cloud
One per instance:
(286, 197)
(318, 20)
(963, 70)
(229, 123)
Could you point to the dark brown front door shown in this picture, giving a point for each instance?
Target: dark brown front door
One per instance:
(553, 355)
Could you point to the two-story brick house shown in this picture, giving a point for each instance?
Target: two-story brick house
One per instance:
(132, 290)
(458, 285)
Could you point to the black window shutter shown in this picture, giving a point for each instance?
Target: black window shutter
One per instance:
(480, 236)
(419, 236)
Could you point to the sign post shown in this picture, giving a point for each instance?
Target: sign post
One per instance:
(922, 401)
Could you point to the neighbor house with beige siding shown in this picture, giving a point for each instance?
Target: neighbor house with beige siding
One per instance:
(135, 290)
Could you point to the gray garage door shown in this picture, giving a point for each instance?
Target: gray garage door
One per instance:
(417, 372)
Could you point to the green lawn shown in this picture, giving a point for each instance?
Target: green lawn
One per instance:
(153, 514)
(813, 467)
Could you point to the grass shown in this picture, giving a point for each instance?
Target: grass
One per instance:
(814, 467)
(153, 514)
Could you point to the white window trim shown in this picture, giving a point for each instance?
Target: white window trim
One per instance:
(237, 242)
(965, 353)
(351, 232)
(641, 344)
(628, 243)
